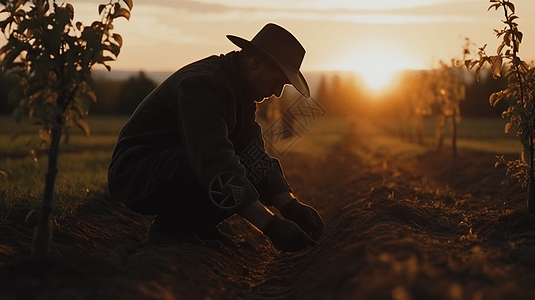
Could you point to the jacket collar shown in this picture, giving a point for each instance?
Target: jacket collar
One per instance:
(231, 68)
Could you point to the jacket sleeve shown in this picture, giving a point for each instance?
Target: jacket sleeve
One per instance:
(263, 171)
(203, 105)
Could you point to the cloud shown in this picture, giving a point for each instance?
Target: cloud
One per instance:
(247, 15)
(322, 4)
(148, 24)
(189, 5)
(185, 22)
(371, 12)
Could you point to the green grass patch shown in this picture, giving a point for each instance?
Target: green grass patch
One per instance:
(25, 144)
(81, 175)
(83, 161)
(100, 125)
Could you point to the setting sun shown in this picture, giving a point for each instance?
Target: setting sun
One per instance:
(377, 64)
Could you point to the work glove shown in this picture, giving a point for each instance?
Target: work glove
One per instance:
(286, 235)
(305, 216)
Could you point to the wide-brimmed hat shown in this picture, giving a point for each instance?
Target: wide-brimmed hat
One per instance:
(283, 48)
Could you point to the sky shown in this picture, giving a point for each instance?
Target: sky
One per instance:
(373, 37)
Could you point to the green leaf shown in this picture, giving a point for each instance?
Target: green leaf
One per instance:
(18, 4)
(508, 127)
(7, 62)
(497, 66)
(35, 96)
(20, 13)
(70, 10)
(107, 58)
(129, 3)
(500, 48)
(511, 6)
(118, 38)
(79, 107)
(467, 64)
(492, 99)
(4, 49)
(23, 26)
(4, 23)
(51, 98)
(91, 94)
(82, 124)
(123, 12)
(495, 6)
(115, 49)
(524, 65)
(96, 24)
(519, 35)
(507, 38)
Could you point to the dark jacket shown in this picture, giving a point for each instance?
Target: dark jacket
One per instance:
(204, 114)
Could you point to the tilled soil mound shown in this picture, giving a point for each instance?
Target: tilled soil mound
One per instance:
(425, 226)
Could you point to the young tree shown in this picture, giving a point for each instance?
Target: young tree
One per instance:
(417, 102)
(52, 56)
(450, 92)
(323, 94)
(519, 93)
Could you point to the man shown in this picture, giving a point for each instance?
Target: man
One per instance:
(180, 156)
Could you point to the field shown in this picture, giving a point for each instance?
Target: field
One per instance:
(403, 221)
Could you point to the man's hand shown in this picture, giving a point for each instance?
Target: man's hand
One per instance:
(286, 235)
(305, 216)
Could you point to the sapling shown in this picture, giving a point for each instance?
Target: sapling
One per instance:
(519, 93)
(450, 92)
(52, 55)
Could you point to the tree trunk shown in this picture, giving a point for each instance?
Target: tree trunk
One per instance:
(531, 185)
(43, 234)
(454, 136)
(419, 131)
(441, 123)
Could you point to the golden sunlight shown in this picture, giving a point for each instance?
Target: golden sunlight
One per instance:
(378, 64)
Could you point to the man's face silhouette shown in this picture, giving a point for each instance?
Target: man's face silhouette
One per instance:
(266, 79)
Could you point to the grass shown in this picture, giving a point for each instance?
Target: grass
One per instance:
(83, 162)
(487, 135)
(81, 175)
(100, 125)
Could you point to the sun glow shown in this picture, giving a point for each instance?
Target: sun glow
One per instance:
(377, 65)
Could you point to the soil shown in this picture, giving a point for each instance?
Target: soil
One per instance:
(418, 226)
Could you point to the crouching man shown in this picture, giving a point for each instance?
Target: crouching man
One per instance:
(180, 155)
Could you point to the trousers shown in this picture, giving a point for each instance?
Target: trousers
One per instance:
(182, 201)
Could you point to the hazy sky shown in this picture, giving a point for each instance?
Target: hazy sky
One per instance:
(163, 35)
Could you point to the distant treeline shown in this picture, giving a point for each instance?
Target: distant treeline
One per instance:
(341, 95)
(114, 97)
(477, 104)
(345, 95)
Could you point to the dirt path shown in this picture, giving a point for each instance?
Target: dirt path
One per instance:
(400, 224)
